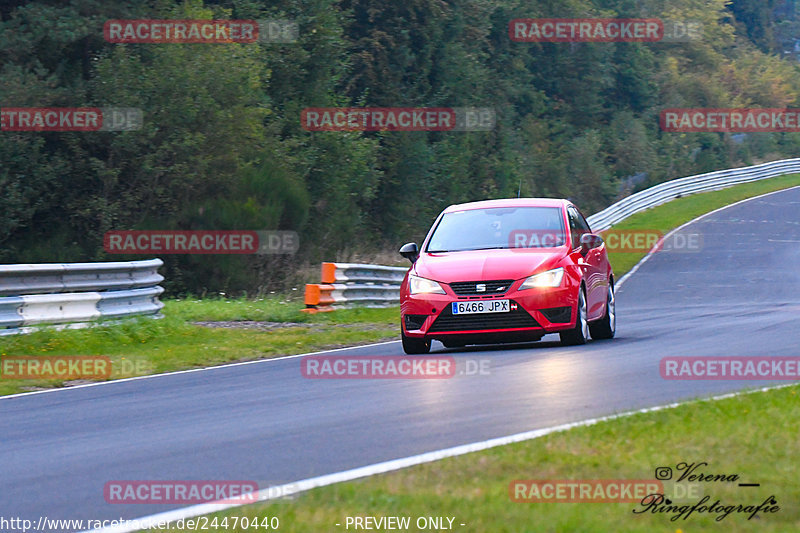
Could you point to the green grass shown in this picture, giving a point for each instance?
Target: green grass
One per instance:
(263, 309)
(681, 210)
(274, 309)
(753, 436)
(174, 343)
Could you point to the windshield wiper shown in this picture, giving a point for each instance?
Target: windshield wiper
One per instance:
(467, 249)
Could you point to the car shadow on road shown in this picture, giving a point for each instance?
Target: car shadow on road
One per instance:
(506, 347)
(513, 347)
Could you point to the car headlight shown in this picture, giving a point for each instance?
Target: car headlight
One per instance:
(418, 285)
(551, 278)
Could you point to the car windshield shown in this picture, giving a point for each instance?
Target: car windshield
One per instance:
(498, 228)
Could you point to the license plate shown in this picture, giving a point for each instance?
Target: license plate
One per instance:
(487, 306)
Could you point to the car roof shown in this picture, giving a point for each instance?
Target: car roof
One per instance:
(510, 202)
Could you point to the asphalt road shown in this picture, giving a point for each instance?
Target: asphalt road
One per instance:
(738, 295)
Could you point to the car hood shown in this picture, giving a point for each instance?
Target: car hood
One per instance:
(485, 265)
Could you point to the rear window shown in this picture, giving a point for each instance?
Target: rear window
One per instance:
(498, 228)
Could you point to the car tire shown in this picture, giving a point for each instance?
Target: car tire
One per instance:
(606, 327)
(580, 332)
(412, 346)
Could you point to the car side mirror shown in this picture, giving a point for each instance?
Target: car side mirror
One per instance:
(590, 241)
(410, 251)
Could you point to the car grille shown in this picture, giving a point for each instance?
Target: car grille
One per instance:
(493, 288)
(518, 318)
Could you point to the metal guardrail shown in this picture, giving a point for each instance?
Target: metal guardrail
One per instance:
(378, 285)
(78, 277)
(669, 190)
(77, 293)
(345, 284)
(360, 273)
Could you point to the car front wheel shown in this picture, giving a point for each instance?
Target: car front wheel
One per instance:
(606, 327)
(414, 346)
(580, 332)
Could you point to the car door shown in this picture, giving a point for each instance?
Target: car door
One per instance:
(594, 269)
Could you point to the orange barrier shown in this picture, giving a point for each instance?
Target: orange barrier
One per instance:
(318, 297)
(328, 272)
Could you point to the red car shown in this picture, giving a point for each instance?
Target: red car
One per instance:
(507, 271)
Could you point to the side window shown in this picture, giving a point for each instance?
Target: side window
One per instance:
(574, 232)
(577, 226)
(583, 223)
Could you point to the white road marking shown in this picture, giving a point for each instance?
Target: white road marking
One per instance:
(288, 489)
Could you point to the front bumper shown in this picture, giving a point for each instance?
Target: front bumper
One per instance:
(538, 312)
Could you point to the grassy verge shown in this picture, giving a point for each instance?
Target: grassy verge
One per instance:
(681, 210)
(753, 436)
(176, 342)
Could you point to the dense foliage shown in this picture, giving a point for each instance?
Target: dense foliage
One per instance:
(222, 146)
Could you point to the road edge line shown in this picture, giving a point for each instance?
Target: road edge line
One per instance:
(288, 489)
